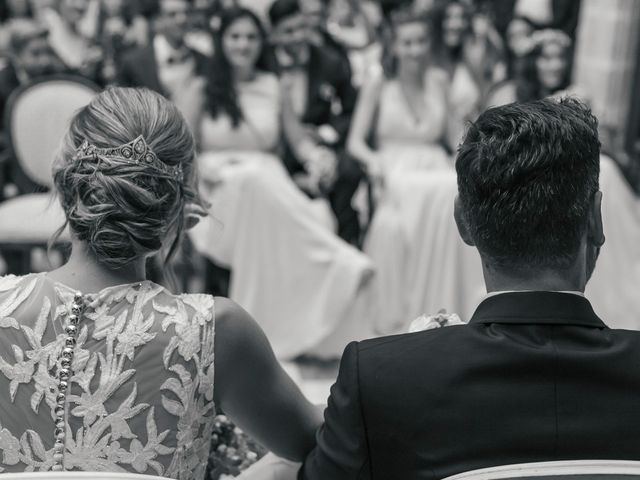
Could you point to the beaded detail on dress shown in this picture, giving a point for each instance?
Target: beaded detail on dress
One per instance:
(64, 374)
(119, 381)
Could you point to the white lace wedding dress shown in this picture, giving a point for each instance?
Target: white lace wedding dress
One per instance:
(129, 390)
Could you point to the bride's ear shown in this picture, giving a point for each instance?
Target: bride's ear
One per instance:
(461, 223)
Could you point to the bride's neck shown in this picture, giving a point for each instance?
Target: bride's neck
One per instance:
(83, 271)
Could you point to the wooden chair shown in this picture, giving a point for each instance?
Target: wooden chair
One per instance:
(36, 118)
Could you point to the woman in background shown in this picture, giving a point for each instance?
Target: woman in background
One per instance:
(405, 112)
(288, 267)
(518, 42)
(543, 72)
(404, 107)
(355, 25)
(467, 48)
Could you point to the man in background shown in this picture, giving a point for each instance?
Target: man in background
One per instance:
(167, 65)
(322, 98)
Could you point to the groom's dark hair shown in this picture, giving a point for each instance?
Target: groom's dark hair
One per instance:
(527, 173)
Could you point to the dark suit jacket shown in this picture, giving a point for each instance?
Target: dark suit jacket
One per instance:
(328, 86)
(533, 377)
(140, 68)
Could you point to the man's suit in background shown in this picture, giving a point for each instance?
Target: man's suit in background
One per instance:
(157, 67)
(329, 99)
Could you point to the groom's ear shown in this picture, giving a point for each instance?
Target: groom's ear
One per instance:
(461, 223)
(596, 230)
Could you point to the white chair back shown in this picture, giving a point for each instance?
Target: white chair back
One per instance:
(78, 476)
(560, 470)
(38, 117)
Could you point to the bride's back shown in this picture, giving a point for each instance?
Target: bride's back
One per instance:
(140, 393)
(119, 377)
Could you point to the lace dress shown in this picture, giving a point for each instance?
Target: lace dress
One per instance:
(118, 381)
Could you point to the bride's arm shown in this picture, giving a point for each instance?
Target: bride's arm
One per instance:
(254, 391)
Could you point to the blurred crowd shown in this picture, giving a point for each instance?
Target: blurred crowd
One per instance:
(485, 53)
(313, 119)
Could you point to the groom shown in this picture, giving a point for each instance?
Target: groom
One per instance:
(535, 375)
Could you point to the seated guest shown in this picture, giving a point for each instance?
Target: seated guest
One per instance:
(545, 71)
(557, 14)
(536, 375)
(518, 43)
(316, 14)
(167, 65)
(322, 98)
(31, 58)
(405, 110)
(121, 29)
(470, 56)
(11, 11)
(356, 26)
(273, 237)
(72, 26)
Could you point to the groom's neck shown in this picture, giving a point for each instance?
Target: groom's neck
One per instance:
(500, 280)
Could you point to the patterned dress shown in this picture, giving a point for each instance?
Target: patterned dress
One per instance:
(129, 389)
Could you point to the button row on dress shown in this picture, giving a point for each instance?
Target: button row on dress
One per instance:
(64, 374)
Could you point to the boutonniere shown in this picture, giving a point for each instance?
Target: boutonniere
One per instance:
(429, 322)
(329, 95)
(327, 92)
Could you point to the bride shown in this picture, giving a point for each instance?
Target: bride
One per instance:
(103, 370)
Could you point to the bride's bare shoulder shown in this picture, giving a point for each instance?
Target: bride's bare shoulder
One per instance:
(235, 327)
(227, 310)
(241, 349)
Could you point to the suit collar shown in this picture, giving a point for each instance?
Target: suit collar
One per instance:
(550, 308)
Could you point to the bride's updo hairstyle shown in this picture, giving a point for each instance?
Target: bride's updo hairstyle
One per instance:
(125, 210)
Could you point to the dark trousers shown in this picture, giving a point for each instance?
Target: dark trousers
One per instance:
(349, 175)
(341, 194)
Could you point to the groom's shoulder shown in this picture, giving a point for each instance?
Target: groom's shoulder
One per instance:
(383, 365)
(401, 344)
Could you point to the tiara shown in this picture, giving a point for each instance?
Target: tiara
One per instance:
(136, 151)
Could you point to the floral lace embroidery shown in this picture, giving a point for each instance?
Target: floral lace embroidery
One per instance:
(112, 425)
